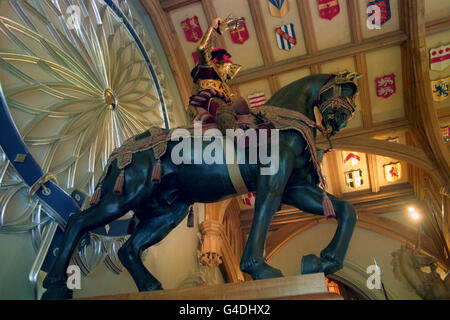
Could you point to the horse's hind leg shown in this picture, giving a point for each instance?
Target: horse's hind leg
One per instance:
(150, 230)
(309, 198)
(109, 209)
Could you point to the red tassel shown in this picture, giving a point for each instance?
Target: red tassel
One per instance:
(96, 196)
(156, 174)
(120, 181)
(328, 209)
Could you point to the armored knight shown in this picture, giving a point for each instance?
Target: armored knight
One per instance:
(212, 98)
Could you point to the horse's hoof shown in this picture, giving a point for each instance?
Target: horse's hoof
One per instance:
(261, 270)
(57, 293)
(313, 264)
(151, 287)
(310, 264)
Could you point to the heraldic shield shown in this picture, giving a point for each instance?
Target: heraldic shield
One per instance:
(386, 86)
(192, 30)
(328, 9)
(278, 8)
(286, 36)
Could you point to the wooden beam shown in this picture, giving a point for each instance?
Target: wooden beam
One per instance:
(420, 108)
(354, 21)
(274, 83)
(438, 25)
(261, 32)
(406, 153)
(168, 5)
(373, 172)
(363, 83)
(387, 40)
(379, 128)
(334, 173)
(306, 19)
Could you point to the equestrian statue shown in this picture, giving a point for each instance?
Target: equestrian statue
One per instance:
(141, 175)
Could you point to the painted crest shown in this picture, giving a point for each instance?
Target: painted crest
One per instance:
(248, 199)
(256, 100)
(445, 131)
(240, 35)
(328, 9)
(386, 86)
(352, 158)
(392, 171)
(286, 36)
(278, 8)
(192, 29)
(440, 58)
(354, 178)
(440, 89)
(385, 11)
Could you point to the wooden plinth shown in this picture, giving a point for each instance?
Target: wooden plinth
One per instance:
(301, 287)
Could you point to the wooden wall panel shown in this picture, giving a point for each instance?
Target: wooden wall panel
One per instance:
(330, 33)
(381, 63)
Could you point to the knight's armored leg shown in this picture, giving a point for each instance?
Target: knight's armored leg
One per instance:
(150, 230)
(309, 198)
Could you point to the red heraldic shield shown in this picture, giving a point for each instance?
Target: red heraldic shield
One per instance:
(240, 35)
(192, 29)
(386, 86)
(328, 9)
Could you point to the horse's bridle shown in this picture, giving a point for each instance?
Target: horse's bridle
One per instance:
(336, 101)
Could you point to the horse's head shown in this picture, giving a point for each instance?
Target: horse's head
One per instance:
(336, 100)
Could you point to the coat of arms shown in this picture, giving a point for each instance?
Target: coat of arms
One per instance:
(286, 36)
(328, 9)
(256, 100)
(278, 8)
(385, 11)
(392, 171)
(445, 131)
(240, 35)
(354, 178)
(386, 86)
(440, 58)
(192, 29)
(352, 158)
(440, 89)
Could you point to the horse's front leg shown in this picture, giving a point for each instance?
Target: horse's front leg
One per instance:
(309, 198)
(269, 191)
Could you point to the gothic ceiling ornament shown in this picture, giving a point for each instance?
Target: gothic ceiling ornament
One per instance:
(77, 79)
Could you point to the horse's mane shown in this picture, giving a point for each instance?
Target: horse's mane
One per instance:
(300, 95)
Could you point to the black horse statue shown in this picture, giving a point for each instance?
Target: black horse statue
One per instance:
(160, 207)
